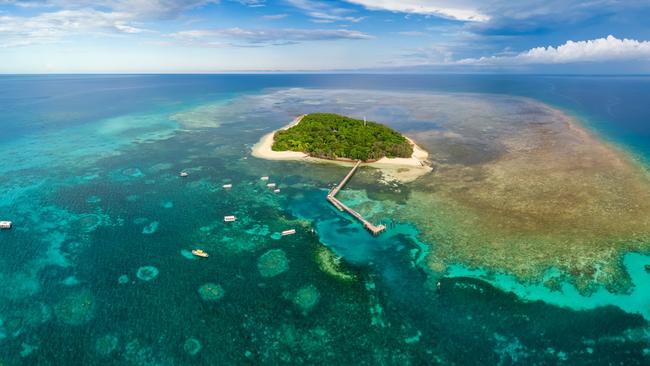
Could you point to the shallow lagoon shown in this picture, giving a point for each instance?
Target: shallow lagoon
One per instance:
(82, 198)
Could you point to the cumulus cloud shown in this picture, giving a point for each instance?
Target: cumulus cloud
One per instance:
(459, 10)
(596, 50)
(238, 37)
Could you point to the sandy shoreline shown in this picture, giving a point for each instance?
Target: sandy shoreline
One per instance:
(400, 169)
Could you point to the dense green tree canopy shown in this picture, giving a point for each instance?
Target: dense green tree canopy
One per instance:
(331, 136)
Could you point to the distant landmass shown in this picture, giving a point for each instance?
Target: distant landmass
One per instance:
(332, 136)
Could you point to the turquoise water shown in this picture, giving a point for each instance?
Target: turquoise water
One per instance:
(97, 269)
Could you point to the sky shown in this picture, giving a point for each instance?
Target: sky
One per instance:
(204, 36)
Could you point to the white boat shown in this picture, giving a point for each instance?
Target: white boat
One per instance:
(5, 224)
(265, 178)
(289, 232)
(227, 186)
(184, 174)
(200, 253)
(271, 185)
(276, 190)
(229, 218)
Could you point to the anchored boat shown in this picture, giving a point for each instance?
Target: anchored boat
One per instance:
(184, 174)
(229, 218)
(200, 253)
(289, 232)
(227, 186)
(5, 224)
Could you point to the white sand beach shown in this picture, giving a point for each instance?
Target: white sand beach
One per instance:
(400, 169)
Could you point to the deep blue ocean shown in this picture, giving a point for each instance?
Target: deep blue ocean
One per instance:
(97, 269)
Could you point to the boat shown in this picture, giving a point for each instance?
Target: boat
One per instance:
(184, 174)
(289, 232)
(229, 218)
(276, 190)
(647, 267)
(227, 186)
(265, 178)
(200, 253)
(5, 224)
(271, 185)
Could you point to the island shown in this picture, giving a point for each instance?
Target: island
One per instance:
(332, 136)
(329, 137)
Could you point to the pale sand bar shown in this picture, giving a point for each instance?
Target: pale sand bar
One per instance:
(400, 169)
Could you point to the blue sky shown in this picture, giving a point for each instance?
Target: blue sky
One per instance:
(595, 36)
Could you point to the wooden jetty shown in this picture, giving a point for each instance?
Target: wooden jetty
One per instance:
(331, 197)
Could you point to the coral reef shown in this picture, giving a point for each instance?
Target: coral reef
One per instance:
(147, 273)
(273, 263)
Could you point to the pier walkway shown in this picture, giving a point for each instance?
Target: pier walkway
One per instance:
(331, 197)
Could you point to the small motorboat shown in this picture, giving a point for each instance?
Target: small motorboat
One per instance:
(288, 232)
(227, 186)
(5, 224)
(200, 253)
(277, 190)
(271, 185)
(265, 178)
(184, 174)
(229, 218)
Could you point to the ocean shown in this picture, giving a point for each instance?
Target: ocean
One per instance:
(97, 269)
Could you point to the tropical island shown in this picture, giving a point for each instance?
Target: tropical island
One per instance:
(329, 137)
(332, 136)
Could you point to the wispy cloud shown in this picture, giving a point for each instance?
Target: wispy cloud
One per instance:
(238, 37)
(53, 26)
(61, 19)
(596, 50)
(274, 16)
(323, 12)
(412, 33)
(252, 3)
(462, 10)
(142, 9)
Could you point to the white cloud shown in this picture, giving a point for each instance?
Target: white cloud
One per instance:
(412, 33)
(143, 9)
(238, 37)
(59, 19)
(459, 10)
(321, 12)
(274, 16)
(596, 50)
(52, 26)
(252, 3)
